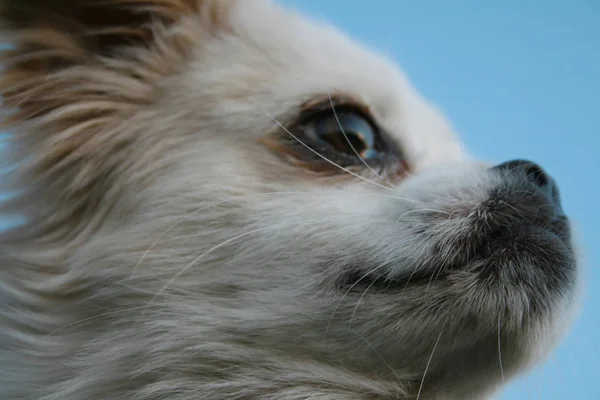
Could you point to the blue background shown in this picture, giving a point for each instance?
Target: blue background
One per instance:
(518, 78)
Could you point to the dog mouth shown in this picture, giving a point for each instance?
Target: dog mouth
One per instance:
(492, 249)
(360, 281)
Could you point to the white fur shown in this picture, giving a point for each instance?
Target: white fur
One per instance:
(212, 273)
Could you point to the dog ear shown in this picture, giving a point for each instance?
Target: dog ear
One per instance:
(76, 71)
(92, 26)
(66, 51)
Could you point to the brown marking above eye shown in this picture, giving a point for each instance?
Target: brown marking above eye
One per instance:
(323, 138)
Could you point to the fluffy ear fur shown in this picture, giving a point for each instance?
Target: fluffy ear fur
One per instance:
(74, 76)
(93, 26)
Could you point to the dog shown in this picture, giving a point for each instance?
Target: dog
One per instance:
(223, 199)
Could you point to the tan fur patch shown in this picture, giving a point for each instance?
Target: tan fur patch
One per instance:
(78, 71)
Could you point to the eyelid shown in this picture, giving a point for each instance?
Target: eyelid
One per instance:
(340, 106)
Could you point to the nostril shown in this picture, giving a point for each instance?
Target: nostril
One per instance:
(532, 171)
(537, 175)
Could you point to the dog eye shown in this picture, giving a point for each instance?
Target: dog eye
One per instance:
(345, 131)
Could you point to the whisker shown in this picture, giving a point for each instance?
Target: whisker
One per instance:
(197, 259)
(346, 293)
(434, 277)
(358, 302)
(378, 355)
(439, 269)
(515, 209)
(195, 212)
(500, 348)
(461, 148)
(423, 210)
(428, 363)
(106, 314)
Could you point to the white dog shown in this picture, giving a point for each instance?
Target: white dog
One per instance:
(224, 200)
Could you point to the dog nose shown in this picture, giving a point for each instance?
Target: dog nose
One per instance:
(534, 174)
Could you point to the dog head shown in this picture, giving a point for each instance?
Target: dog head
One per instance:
(227, 200)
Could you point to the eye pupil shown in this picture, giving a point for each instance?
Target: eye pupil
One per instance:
(347, 132)
(350, 143)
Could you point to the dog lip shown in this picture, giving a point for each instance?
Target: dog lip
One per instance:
(472, 249)
(360, 281)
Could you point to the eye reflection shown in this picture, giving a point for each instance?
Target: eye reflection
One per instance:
(350, 133)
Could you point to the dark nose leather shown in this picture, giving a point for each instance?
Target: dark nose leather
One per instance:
(537, 177)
